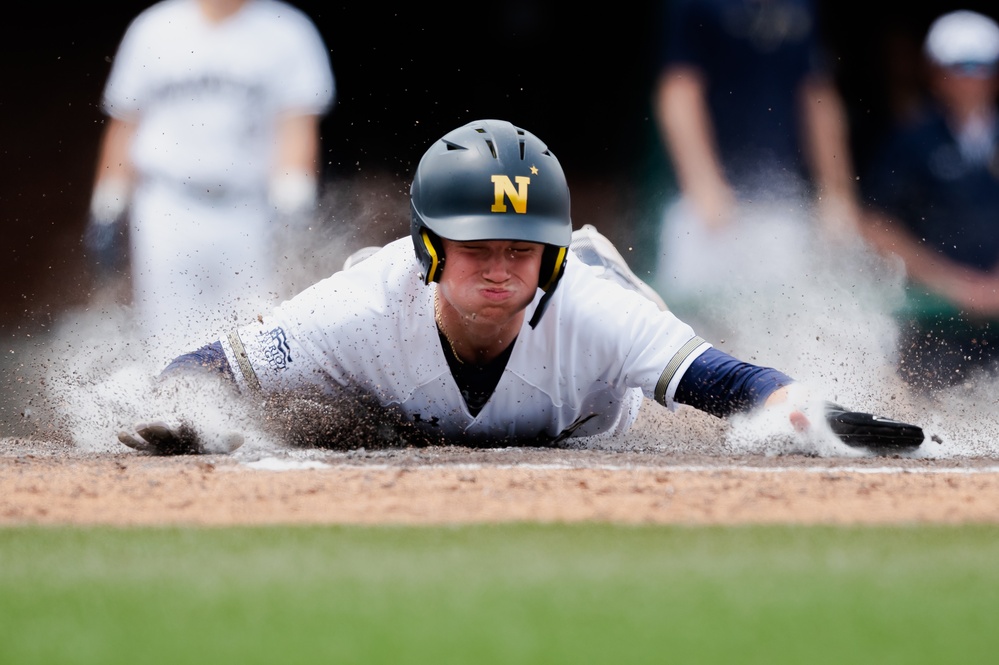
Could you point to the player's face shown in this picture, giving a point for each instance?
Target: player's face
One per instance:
(491, 280)
(966, 91)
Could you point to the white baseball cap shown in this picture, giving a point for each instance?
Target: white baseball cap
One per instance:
(963, 39)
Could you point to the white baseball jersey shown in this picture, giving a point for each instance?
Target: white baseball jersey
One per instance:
(204, 98)
(207, 93)
(583, 371)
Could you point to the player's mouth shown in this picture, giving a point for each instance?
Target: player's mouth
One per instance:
(493, 294)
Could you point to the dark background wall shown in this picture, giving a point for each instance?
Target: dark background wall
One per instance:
(579, 78)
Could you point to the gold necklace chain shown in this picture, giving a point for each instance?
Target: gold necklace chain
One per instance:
(439, 319)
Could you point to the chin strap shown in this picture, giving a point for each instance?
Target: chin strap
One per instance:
(542, 305)
(549, 288)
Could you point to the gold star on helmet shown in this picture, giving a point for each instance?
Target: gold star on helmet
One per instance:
(534, 170)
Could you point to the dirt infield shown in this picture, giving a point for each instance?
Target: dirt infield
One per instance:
(55, 483)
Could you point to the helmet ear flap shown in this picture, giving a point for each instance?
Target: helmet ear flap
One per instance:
(552, 267)
(432, 255)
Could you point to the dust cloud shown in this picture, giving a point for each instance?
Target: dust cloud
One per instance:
(93, 372)
(823, 311)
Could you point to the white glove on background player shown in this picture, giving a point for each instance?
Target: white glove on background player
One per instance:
(107, 211)
(105, 235)
(293, 195)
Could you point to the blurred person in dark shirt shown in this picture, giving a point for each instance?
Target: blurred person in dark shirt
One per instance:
(757, 135)
(932, 193)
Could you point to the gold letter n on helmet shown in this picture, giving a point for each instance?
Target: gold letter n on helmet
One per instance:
(503, 188)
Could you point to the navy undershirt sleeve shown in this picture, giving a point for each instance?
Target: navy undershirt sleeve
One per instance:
(722, 385)
(209, 358)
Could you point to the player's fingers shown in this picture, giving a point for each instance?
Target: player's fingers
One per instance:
(172, 438)
(134, 441)
(163, 438)
(230, 442)
(157, 432)
(800, 422)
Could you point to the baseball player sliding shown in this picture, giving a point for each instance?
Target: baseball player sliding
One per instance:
(493, 330)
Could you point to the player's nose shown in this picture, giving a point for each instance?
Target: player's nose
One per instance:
(496, 265)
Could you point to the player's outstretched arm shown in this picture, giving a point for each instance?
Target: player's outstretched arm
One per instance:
(722, 385)
(203, 378)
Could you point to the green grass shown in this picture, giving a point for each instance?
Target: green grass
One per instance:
(499, 594)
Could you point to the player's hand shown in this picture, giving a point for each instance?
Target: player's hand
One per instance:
(716, 206)
(839, 219)
(99, 236)
(105, 244)
(177, 438)
(878, 434)
(107, 223)
(971, 290)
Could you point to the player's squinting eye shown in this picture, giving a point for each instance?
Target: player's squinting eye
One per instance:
(518, 250)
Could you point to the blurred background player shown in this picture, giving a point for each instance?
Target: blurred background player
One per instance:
(757, 136)
(933, 202)
(211, 154)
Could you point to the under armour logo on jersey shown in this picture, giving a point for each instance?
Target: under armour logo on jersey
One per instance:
(504, 189)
